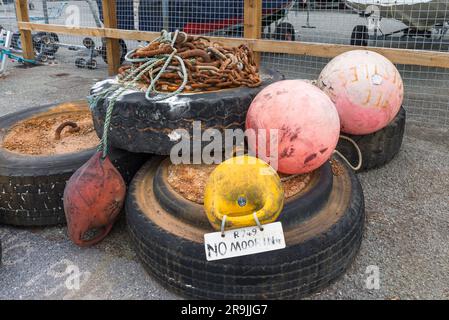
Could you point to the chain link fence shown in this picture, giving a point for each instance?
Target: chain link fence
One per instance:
(410, 24)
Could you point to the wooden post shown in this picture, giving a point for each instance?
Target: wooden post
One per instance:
(25, 35)
(112, 45)
(252, 22)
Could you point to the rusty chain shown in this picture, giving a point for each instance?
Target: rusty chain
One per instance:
(211, 66)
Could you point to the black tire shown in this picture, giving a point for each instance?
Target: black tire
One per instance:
(92, 64)
(88, 43)
(139, 125)
(318, 250)
(285, 32)
(377, 148)
(32, 187)
(46, 43)
(80, 63)
(359, 36)
(16, 42)
(123, 51)
(294, 212)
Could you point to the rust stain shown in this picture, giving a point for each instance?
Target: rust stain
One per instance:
(295, 134)
(368, 98)
(379, 101)
(267, 96)
(284, 153)
(151, 129)
(342, 80)
(356, 77)
(310, 158)
(283, 91)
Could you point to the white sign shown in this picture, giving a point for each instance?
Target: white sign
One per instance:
(244, 241)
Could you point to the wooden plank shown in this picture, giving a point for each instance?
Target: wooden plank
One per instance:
(112, 44)
(324, 50)
(78, 31)
(91, 31)
(25, 35)
(252, 22)
(399, 56)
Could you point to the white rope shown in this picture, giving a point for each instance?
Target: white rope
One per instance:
(359, 153)
(292, 176)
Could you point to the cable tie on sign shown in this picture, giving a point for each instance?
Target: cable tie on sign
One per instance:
(223, 222)
(257, 221)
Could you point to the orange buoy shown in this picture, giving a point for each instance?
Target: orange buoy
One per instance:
(306, 121)
(93, 197)
(366, 88)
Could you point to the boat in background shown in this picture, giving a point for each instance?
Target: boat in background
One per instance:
(426, 23)
(417, 14)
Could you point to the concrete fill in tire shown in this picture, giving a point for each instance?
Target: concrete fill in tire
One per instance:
(293, 212)
(31, 187)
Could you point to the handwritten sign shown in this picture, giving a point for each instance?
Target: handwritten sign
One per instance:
(244, 241)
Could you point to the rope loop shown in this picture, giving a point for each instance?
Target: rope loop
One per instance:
(359, 153)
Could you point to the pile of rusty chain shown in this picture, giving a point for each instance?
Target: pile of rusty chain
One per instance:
(210, 65)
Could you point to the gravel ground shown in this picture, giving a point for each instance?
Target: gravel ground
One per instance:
(406, 234)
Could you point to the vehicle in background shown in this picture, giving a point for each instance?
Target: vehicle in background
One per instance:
(426, 23)
(206, 17)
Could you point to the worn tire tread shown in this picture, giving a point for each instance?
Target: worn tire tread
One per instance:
(294, 272)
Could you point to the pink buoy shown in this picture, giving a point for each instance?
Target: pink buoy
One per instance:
(366, 88)
(306, 121)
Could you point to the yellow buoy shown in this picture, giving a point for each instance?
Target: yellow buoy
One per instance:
(245, 190)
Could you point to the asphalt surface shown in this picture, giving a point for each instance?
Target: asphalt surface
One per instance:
(406, 235)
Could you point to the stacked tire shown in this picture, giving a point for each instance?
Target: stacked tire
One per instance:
(323, 229)
(31, 187)
(368, 91)
(377, 148)
(323, 226)
(139, 125)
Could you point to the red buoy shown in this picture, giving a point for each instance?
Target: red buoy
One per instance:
(93, 197)
(306, 121)
(366, 88)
